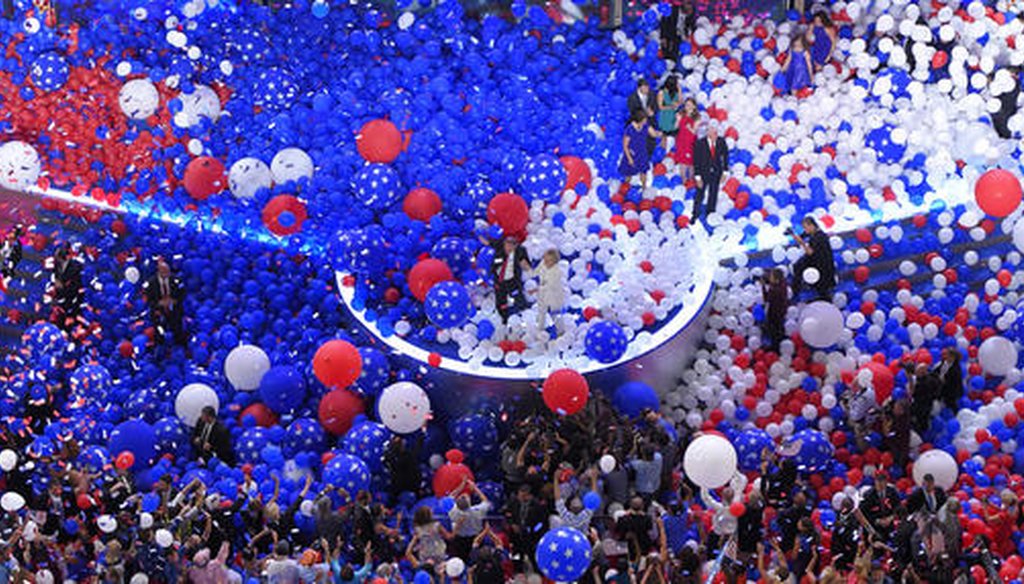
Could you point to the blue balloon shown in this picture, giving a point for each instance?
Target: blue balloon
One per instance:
(377, 186)
(421, 577)
(249, 447)
(94, 458)
(134, 436)
(815, 451)
(368, 441)
(448, 304)
(606, 342)
(633, 397)
(283, 389)
(275, 89)
(592, 500)
(475, 435)
(50, 71)
(563, 554)
(749, 445)
(320, 8)
(304, 435)
(348, 472)
(171, 437)
(44, 338)
(543, 179)
(376, 371)
(90, 381)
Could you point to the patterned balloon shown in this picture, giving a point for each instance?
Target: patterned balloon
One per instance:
(304, 435)
(368, 441)
(543, 179)
(91, 380)
(94, 458)
(276, 89)
(251, 444)
(456, 252)
(749, 445)
(376, 371)
(563, 554)
(475, 434)
(813, 451)
(50, 71)
(348, 472)
(448, 304)
(377, 186)
(171, 437)
(44, 338)
(606, 342)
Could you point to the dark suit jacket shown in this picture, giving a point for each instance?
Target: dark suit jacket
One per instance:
(219, 440)
(707, 166)
(151, 291)
(634, 103)
(499, 260)
(70, 278)
(917, 501)
(11, 259)
(952, 382)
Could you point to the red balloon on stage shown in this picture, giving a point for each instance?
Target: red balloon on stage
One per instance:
(421, 204)
(565, 392)
(882, 380)
(998, 192)
(337, 410)
(264, 416)
(449, 476)
(576, 171)
(379, 141)
(509, 212)
(283, 215)
(425, 274)
(337, 364)
(204, 176)
(125, 460)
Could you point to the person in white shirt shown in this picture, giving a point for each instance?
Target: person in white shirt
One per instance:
(550, 290)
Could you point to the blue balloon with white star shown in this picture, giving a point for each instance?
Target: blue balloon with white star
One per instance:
(377, 186)
(543, 179)
(476, 435)
(171, 437)
(448, 304)
(815, 451)
(749, 445)
(887, 151)
(94, 458)
(563, 554)
(368, 441)
(304, 435)
(606, 342)
(458, 253)
(348, 472)
(49, 71)
(353, 249)
(44, 338)
(249, 446)
(275, 89)
(376, 373)
(90, 380)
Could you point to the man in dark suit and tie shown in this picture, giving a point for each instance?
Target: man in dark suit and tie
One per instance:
(165, 296)
(642, 100)
(710, 161)
(66, 288)
(951, 378)
(927, 498)
(211, 438)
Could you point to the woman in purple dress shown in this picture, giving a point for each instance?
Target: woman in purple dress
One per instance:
(822, 38)
(635, 157)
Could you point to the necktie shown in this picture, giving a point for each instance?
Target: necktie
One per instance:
(712, 144)
(931, 501)
(163, 287)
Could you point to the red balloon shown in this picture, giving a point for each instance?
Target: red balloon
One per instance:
(126, 349)
(205, 176)
(882, 380)
(265, 417)
(379, 141)
(425, 274)
(565, 392)
(576, 172)
(737, 508)
(939, 59)
(509, 212)
(337, 410)
(421, 204)
(448, 477)
(83, 501)
(337, 364)
(998, 192)
(125, 460)
(283, 215)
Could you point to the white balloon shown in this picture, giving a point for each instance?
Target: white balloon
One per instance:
(8, 459)
(20, 166)
(12, 501)
(403, 407)
(131, 273)
(163, 538)
(43, 577)
(710, 461)
(145, 520)
(606, 463)
(997, 355)
(812, 275)
(106, 523)
(192, 399)
(940, 465)
(245, 366)
(201, 103)
(291, 164)
(821, 324)
(139, 99)
(247, 176)
(454, 567)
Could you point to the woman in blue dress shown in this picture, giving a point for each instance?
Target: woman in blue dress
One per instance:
(635, 157)
(797, 68)
(822, 37)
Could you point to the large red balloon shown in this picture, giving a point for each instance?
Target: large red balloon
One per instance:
(283, 215)
(421, 204)
(509, 212)
(337, 410)
(576, 171)
(998, 192)
(379, 141)
(264, 416)
(204, 176)
(425, 274)
(565, 392)
(449, 476)
(337, 364)
(882, 380)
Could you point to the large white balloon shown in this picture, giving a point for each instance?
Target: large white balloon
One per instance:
(8, 459)
(710, 461)
(997, 355)
(454, 567)
(201, 103)
(12, 501)
(163, 538)
(247, 176)
(291, 164)
(192, 399)
(606, 463)
(403, 407)
(139, 99)
(20, 166)
(245, 366)
(940, 465)
(821, 324)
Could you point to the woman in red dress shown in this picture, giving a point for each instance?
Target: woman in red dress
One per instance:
(687, 135)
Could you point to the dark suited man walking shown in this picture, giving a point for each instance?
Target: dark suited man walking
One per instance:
(642, 100)
(66, 289)
(165, 296)
(710, 161)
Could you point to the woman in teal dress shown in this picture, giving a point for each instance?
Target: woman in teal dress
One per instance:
(668, 104)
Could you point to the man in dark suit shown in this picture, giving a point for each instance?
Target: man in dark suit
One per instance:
(927, 498)
(211, 438)
(165, 296)
(510, 260)
(10, 252)
(951, 378)
(710, 162)
(66, 288)
(642, 100)
(879, 506)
